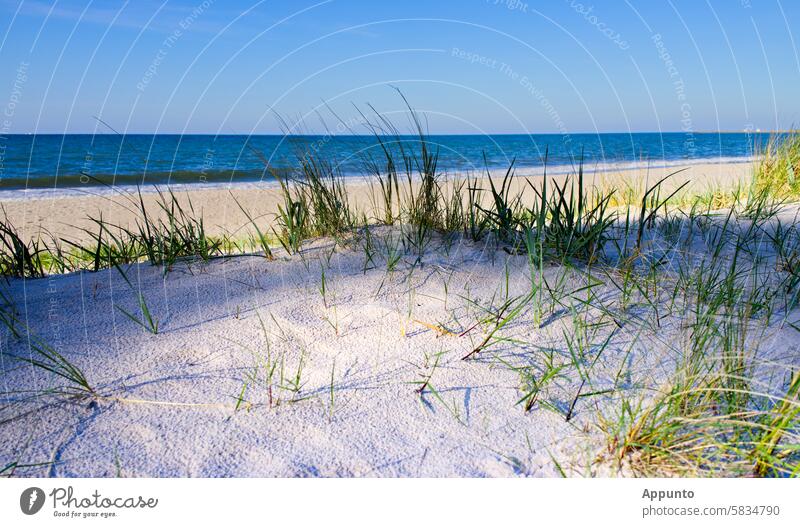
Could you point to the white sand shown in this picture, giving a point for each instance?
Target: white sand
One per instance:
(209, 315)
(181, 385)
(378, 425)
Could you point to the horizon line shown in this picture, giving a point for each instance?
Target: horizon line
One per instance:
(412, 134)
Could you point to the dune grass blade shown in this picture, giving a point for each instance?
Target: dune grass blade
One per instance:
(147, 321)
(18, 258)
(779, 423)
(503, 215)
(262, 239)
(43, 356)
(651, 198)
(50, 360)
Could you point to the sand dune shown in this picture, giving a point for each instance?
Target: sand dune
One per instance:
(339, 361)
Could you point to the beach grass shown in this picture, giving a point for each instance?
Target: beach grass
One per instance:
(42, 356)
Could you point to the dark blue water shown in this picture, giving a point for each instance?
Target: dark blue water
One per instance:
(76, 161)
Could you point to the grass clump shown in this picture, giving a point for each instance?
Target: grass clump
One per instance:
(778, 169)
(693, 428)
(179, 233)
(18, 258)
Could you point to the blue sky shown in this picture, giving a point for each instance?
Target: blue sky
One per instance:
(471, 66)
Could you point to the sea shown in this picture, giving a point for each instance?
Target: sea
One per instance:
(47, 163)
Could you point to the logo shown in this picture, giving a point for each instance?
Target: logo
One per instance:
(31, 500)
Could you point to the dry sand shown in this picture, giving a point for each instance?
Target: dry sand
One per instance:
(169, 401)
(66, 214)
(211, 342)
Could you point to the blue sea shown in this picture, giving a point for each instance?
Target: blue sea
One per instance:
(73, 162)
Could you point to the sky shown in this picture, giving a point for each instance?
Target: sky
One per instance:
(467, 66)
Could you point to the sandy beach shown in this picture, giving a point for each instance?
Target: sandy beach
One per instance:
(366, 358)
(66, 214)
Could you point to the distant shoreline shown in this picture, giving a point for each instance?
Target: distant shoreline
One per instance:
(66, 214)
(200, 181)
